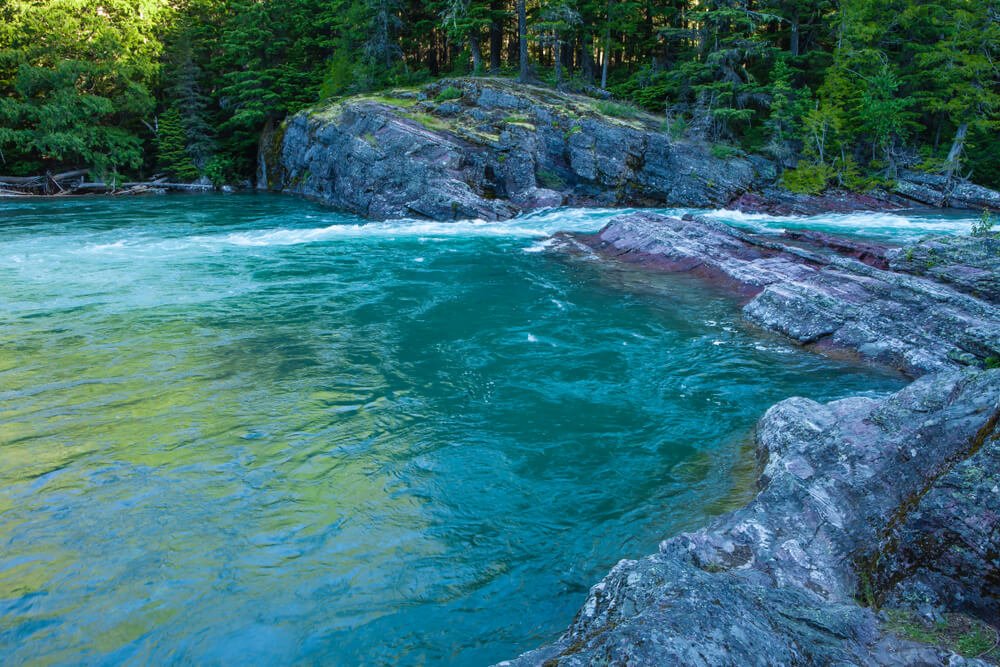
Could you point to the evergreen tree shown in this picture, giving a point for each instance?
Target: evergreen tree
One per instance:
(845, 88)
(72, 101)
(171, 147)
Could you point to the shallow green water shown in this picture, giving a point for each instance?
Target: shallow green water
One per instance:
(246, 430)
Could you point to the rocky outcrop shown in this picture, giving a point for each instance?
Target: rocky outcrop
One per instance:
(772, 200)
(814, 290)
(937, 190)
(868, 510)
(489, 148)
(912, 189)
(486, 148)
(969, 263)
(857, 502)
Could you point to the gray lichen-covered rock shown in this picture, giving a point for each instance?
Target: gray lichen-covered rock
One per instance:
(815, 291)
(773, 200)
(367, 158)
(946, 551)
(970, 263)
(496, 150)
(778, 581)
(937, 190)
(489, 148)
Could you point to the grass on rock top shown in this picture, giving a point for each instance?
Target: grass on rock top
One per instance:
(559, 104)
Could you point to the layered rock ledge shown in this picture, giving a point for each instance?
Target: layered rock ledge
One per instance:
(877, 520)
(925, 308)
(489, 148)
(888, 502)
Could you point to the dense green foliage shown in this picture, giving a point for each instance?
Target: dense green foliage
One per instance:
(840, 93)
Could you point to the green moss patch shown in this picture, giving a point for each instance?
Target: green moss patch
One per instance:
(432, 123)
(962, 634)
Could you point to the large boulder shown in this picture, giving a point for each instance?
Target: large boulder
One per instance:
(490, 149)
(780, 581)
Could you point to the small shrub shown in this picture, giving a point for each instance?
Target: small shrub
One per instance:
(956, 632)
(550, 179)
(615, 109)
(976, 642)
(725, 151)
(449, 93)
(984, 226)
(807, 179)
(219, 170)
(568, 134)
(675, 128)
(991, 363)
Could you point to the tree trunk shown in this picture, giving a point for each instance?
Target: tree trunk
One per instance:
(477, 54)
(606, 51)
(794, 46)
(522, 36)
(496, 37)
(557, 58)
(587, 59)
(432, 58)
(954, 160)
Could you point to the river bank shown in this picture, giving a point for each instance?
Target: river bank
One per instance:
(291, 435)
(875, 520)
(492, 149)
(852, 510)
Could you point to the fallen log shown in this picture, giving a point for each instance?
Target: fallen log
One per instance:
(157, 185)
(22, 180)
(92, 187)
(180, 187)
(54, 185)
(78, 173)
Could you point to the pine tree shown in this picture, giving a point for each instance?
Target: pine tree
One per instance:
(171, 147)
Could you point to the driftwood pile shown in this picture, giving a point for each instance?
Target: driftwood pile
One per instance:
(75, 183)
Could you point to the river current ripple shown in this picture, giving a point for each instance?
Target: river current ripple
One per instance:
(247, 430)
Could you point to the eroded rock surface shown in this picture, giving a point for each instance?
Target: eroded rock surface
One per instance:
(817, 291)
(488, 148)
(492, 151)
(911, 189)
(936, 190)
(778, 582)
(971, 264)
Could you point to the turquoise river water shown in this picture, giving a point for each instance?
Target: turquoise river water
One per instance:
(247, 430)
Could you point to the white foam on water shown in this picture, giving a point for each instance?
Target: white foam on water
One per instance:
(540, 246)
(102, 247)
(904, 224)
(538, 226)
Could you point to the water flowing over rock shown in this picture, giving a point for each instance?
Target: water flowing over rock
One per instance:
(867, 509)
(857, 501)
(833, 294)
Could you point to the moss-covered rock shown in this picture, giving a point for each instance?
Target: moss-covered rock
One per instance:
(489, 148)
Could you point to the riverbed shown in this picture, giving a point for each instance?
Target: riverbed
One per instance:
(246, 429)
